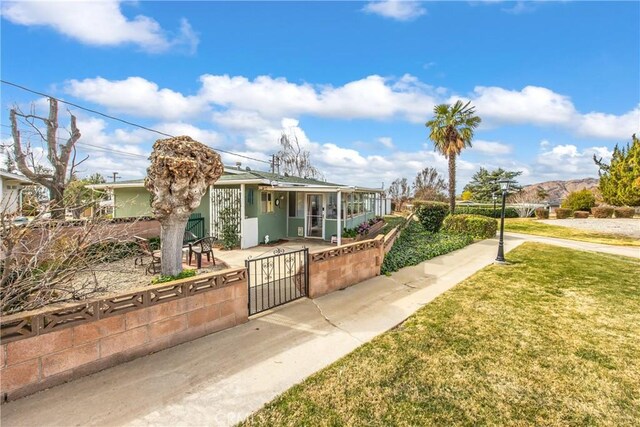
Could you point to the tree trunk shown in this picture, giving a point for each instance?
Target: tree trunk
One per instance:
(171, 237)
(452, 183)
(57, 203)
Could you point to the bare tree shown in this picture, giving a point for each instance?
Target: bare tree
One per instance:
(181, 170)
(525, 202)
(399, 191)
(295, 160)
(59, 155)
(429, 185)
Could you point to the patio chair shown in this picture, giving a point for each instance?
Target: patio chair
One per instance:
(200, 247)
(146, 251)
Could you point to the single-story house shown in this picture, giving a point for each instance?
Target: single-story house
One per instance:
(266, 206)
(11, 185)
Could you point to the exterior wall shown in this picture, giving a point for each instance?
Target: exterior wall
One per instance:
(330, 228)
(9, 197)
(294, 223)
(46, 348)
(344, 266)
(275, 223)
(131, 202)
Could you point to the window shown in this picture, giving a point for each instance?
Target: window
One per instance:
(267, 201)
(332, 206)
(296, 205)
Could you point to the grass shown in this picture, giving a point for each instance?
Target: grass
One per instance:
(531, 226)
(391, 222)
(552, 339)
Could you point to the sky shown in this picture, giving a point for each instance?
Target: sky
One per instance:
(554, 82)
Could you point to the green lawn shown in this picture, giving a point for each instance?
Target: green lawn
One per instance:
(391, 222)
(552, 339)
(531, 226)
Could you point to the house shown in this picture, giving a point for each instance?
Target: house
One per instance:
(266, 206)
(11, 185)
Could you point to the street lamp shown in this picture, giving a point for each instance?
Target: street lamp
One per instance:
(495, 198)
(504, 186)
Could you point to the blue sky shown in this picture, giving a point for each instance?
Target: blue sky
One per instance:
(555, 82)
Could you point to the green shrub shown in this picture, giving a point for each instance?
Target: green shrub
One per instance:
(581, 214)
(509, 212)
(431, 215)
(602, 212)
(183, 275)
(625, 212)
(582, 200)
(416, 244)
(542, 213)
(477, 226)
(562, 213)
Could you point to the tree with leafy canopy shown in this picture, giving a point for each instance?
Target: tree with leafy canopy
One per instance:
(180, 173)
(429, 185)
(485, 182)
(620, 179)
(451, 131)
(78, 197)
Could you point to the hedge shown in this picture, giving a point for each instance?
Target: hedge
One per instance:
(478, 227)
(581, 214)
(509, 212)
(416, 244)
(431, 215)
(542, 213)
(582, 200)
(602, 212)
(624, 212)
(562, 213)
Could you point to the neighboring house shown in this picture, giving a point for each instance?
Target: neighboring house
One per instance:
(11, 185)
(267, 204)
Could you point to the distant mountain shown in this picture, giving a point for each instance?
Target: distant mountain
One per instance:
(558, 190)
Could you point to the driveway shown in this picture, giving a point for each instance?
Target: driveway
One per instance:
(625, 226)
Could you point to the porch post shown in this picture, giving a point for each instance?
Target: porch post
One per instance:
(339, 222)
(242, 202)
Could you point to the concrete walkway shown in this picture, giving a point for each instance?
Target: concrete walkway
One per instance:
(220, 379)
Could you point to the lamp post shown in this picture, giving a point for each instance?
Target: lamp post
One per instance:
(495, 198)
(504, 186)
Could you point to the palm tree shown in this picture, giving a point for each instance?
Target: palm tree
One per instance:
(452, 131)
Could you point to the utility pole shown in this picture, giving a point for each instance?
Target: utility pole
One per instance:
(273, 163)
(115, 176)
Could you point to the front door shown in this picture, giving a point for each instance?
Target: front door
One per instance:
(314, 215)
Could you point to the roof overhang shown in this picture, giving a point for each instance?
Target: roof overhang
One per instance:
(319, 189)
(15, 178)
(107, 186)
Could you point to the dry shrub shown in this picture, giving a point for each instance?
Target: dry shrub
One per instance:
(602, 212)
(542, 213)
(625, 212)
(47, 261)
(562, 213)
(581, 214)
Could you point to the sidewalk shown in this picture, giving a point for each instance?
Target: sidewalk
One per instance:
(222, 378)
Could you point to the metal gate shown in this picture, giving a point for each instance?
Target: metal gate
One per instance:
(277, 279)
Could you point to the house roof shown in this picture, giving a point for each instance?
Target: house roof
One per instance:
(10, 176)
(236, 176)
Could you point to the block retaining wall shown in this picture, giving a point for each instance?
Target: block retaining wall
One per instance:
(44, 348)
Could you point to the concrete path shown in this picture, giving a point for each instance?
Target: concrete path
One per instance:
(220, 379)
(629, 251)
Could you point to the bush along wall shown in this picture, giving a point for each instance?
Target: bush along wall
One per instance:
(473, 210)
(431, 215)
(581, 214)
(416, 244)
(476, 226)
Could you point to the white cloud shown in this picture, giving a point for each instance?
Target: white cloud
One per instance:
(566, 161)
(610, 126)
(400, 10)
(137, 96)
(491, 147)
(387, 141)
(99, 23)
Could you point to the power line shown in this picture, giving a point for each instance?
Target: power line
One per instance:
(118, 119)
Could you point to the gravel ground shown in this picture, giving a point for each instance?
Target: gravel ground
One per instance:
(628, 227)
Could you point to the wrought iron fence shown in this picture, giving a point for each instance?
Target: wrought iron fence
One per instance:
(277, 279)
